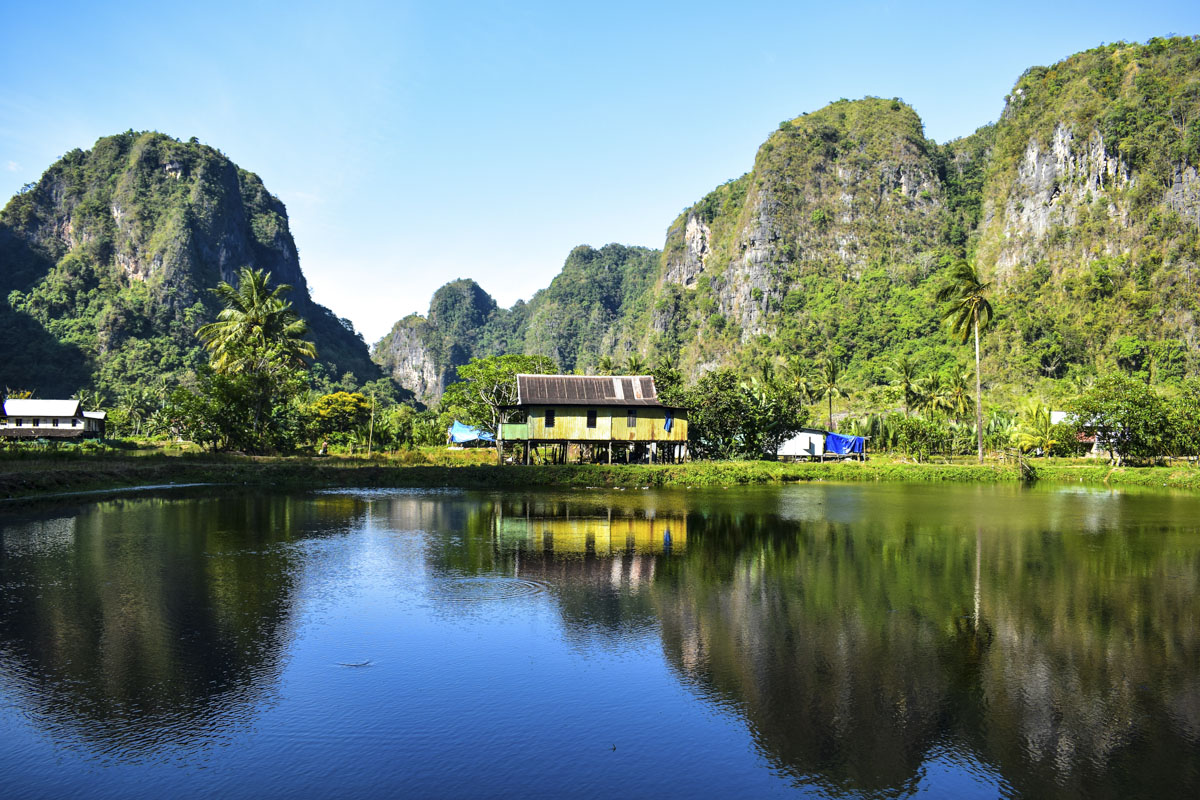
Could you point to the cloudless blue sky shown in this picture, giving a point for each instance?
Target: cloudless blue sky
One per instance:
(415, 143)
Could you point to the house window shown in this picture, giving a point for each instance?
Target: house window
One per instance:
(20, 422)
(74, 422)
(549, 417)
(591, 423)
(55, 423)
(631, 418)
(36, 422)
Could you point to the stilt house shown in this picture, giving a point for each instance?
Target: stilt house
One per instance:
(602, 417)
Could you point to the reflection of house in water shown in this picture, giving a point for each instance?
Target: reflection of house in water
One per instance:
(607, 535)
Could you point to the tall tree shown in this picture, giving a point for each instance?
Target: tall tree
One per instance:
(255, 324)
(969, 311)
(905, 373)
(829, 384)
(487, 388)
(799, 372)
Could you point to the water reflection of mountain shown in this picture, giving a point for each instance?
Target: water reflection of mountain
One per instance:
(146, 622)
(858, 631)
(856, 652)
(1056, 649)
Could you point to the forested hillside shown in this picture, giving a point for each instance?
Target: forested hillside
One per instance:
(583, 314)
(107, 262)
(1081, 204)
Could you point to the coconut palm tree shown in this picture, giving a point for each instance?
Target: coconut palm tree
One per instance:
(929, 394)
(635, 364)
(905, 373)
(958, 393)
(606, 366)
(829, 384)
(798, 373)
(969, 311)
(255, 322)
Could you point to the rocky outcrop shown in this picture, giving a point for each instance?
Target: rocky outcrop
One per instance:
(1184, 195)
(1053, 181)
(422, 353)
(173, 218)
(406, 358)
(1082, 204)
(824, 189)
(684, 269)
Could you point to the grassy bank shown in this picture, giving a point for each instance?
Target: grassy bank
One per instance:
(34, 477)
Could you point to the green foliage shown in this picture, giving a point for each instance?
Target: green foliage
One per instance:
(109, 258)
(1126, 416)
(338, 415)
(1183, 411)
(248, 397)
(256, 320)
(487, 385)
(729, 417)
(253, 412)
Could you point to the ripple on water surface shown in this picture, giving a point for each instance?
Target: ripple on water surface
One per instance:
(484, 589)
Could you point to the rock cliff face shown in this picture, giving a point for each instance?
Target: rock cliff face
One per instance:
(1082, 203)
(585, 311)
(409, 360)
(422, 353)
(828, 189)
(113, 252)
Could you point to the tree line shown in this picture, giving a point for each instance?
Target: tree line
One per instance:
(256, 394)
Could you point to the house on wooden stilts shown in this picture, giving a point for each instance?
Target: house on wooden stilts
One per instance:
(593, 418)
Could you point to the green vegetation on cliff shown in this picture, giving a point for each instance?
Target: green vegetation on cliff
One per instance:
(107, 262)
(1081, 203)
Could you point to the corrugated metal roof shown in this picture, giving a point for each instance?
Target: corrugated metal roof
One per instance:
(41, 408)
(95, 414)
(587, 390)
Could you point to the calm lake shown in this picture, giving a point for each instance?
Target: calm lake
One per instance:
(814, 640)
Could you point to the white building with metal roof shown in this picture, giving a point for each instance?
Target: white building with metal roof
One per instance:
(49, 419)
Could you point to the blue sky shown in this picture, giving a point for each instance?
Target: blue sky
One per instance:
(418, 143)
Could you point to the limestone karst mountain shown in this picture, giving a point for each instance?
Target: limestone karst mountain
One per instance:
(1082, 203)
(106, 263)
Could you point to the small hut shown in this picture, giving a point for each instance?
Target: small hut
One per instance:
(597, 415)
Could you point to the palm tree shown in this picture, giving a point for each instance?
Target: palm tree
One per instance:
(798, 372)
(906, 377)
(958, 393)
(969, 310)
(1035, 430)
(636, 365)
(606, 366)
(932, 395)
(829, 384)
(89, 400)
(256, 320)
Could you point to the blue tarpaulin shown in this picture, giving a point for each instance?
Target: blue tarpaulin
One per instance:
(843, 445)
(460, 433)
(669, 421)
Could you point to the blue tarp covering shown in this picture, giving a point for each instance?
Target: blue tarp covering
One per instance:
(843, 445)
(669, 421)
(460, 433)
